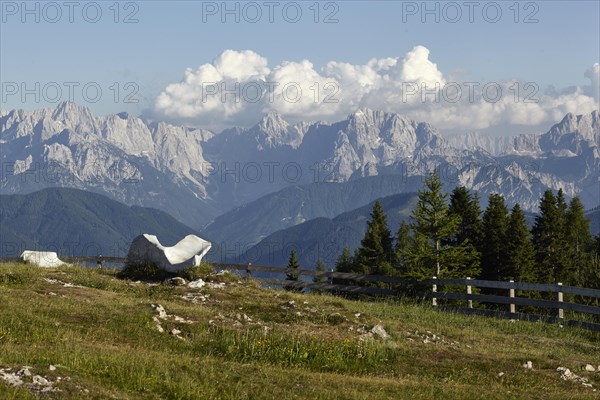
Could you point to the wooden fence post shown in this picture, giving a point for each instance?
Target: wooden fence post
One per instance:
(434, 290)
(561, 313)
(469, 301)
(511, 293)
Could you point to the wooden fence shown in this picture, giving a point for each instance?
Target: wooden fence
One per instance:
(395, 286)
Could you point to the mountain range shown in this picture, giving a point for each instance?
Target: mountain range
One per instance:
(196, 175)
(241, 185)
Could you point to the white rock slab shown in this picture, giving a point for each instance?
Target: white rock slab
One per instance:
(46, 259)
(185, 254)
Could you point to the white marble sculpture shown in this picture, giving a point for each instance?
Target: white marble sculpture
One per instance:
(46, 259)
(185, 254)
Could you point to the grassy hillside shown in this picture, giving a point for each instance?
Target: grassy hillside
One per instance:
(76, 222)
(239, 341)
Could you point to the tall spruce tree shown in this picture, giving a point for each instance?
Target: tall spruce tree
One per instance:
(578, 240)
(465, 205)
(401, 246)
(493, 246)
(433, 225)
(561, 205)
(548, 239)
(520, 254)
(376, 253)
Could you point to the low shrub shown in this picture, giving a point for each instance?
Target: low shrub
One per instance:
(149, 272)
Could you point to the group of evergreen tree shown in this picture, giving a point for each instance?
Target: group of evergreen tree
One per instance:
(564, 248)
(452, 238)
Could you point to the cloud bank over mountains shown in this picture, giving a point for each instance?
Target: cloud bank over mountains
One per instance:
(239, 85)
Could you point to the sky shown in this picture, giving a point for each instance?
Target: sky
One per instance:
(502, 67)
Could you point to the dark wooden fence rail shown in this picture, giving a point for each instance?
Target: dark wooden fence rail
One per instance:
(395, 286)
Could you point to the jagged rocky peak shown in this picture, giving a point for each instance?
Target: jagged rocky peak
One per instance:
(366, 116)
(273, 131)
(70, 111)
(587, 125)
(393, 136)
(573, 133)
(583, 124)
(273, 122)
(365, 121)
(570, 136)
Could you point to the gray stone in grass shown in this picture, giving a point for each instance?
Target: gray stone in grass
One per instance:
(590, 368)
(40, 380)
(379, 331)
(177, 281)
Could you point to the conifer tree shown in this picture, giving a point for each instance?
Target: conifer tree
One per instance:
(493, 245)
(561, 205)
(345, 262)
(466, 205)
(431, 218)
(433, 225)
(578, 240)
(547, 234)
(520, 254)
(376, 254)
(402, 245)
(293, 275)
(577, 227)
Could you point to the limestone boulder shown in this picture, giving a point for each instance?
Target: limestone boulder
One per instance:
(146, 249)
(45, 259)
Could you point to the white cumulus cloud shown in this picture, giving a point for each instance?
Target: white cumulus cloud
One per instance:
(416, 67)
(237, 87)
(594, 75)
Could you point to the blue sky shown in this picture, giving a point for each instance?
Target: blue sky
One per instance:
(172, 36)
